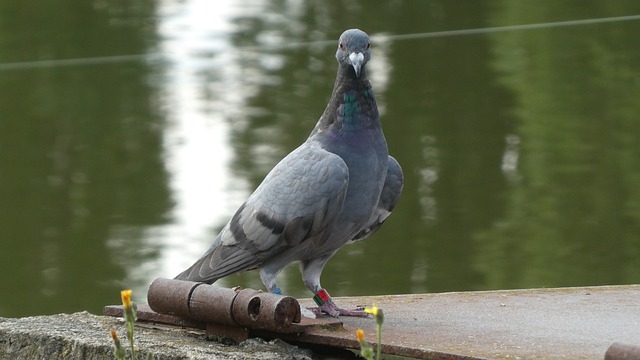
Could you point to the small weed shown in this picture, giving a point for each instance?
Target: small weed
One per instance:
(366, 350)
(129, 311)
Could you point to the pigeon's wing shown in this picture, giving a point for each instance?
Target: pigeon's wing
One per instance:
(298, 200)
(388, 199)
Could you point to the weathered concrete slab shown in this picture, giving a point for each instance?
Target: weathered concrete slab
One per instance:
(565, 323)
(573, 323)
(86, 336)
(568, 323)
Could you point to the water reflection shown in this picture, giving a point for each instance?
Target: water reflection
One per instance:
(197, 102)
(80, 154)
(519, 149)
(510, 157)
(573, 219)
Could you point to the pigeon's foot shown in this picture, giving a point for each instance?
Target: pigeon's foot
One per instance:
(332, 309)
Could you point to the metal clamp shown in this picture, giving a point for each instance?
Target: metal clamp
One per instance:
(217, 305)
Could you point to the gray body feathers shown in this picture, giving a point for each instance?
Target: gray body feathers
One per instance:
(338, 187)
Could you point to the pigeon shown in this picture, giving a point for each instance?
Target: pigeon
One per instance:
(338, 187)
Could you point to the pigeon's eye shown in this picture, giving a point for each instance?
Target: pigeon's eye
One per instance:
(368, 45)
(341, 46)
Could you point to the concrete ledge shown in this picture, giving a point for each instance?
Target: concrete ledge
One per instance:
(86, 336)
(553, 323)
(564, 323)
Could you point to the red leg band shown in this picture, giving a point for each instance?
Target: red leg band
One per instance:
(321, 297)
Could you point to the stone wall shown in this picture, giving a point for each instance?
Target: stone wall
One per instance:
(86, 336)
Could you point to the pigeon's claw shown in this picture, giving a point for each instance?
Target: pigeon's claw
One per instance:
(332, 309)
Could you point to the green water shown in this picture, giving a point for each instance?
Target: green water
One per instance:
(520, 148)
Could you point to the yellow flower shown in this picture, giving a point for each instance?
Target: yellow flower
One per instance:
(119, 350)
(366, 351)
(372, 310)
(114, 335)
(126, 298)
(377, 314)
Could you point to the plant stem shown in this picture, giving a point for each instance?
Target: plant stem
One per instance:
(379, 347)
(130, 336)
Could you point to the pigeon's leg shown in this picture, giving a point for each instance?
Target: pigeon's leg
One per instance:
(269, 280)
(311, 270)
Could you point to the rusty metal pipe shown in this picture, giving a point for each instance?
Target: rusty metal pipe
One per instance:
(618, 351)
(257, 309)
(171, 297)
(213, 304)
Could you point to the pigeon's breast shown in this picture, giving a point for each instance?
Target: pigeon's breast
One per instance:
(366, 156)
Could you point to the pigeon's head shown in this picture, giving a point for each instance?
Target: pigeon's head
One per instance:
(353, 50)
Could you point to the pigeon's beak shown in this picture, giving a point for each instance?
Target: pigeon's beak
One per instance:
(356, 60)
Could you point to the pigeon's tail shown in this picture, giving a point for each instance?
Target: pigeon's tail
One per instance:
(218, 262)
(192, 274)
(200, 271)
(208, 269)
